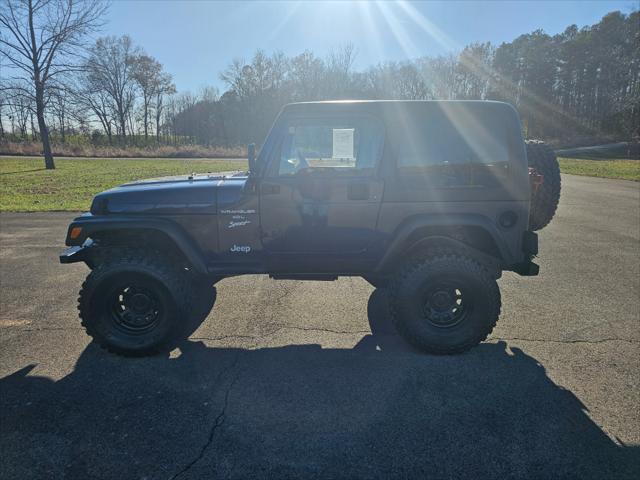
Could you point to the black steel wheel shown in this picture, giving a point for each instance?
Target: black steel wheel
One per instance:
(134, 304)
(445, 304)
(135, 308)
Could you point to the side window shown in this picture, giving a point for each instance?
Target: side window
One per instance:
(341, 146)
(451, 150)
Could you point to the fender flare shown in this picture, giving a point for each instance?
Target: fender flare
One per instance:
(402, 233)
(91, 225)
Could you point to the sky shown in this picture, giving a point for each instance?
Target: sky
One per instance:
(196, 40)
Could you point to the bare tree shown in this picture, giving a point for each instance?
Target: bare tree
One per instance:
(165, 87)
(306, 76)
(41, 39)
(146, 72)
(20, 107)
(110, 69)
(95, 100)
(92, 103)
(60, 104)
(338, 73)
(2, 104)
(153, 83)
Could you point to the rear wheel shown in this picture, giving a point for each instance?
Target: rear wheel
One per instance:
(445, 304)
(544, 201)
(135, 304)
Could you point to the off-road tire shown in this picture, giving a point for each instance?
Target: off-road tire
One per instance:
(411, 292)
(545, 201)
(100, 302)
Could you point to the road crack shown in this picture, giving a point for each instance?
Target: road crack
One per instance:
(544, 340)
(46, 329)
(281, 327)
(315, 329)
(224, 337)
(218, 421)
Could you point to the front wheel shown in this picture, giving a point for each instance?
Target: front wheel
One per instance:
(135, 304)
(445, 304)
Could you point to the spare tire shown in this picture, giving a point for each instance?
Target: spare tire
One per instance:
(544, 198)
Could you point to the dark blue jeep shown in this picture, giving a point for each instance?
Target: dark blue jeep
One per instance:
(432, 200)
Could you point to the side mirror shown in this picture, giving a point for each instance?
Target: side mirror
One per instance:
(251, 154)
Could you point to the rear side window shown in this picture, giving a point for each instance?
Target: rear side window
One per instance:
(331, 146)
(450, 147)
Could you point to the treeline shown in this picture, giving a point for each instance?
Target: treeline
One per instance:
(116, 93)
(580, 83)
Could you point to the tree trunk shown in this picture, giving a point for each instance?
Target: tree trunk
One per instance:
(63, 138)
(34, 136)
(39, 86)
(158, 113)
(44, 131)
(146, 120)
(123, 123)
(123, 128)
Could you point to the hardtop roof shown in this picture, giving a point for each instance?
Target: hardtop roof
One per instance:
(325, 106)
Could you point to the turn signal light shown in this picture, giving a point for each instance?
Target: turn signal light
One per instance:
(75, 233)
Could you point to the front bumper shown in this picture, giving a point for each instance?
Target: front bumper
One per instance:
(77, 253)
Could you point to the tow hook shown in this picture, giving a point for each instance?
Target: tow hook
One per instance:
(536, 179)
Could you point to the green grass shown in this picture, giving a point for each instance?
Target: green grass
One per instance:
(25, 186)
(623, 169)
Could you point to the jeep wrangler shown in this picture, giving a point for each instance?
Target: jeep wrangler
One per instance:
(430, 199)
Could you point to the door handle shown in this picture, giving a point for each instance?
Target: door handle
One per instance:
(358, 191)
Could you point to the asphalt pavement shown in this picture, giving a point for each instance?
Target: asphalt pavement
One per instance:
(289, 379)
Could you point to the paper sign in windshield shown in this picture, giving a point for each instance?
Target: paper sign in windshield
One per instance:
(343, 142)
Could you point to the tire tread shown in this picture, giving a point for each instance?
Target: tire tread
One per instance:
(152, 262)
(545, 202)
(419, 270)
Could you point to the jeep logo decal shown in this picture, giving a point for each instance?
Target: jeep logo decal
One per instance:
(240, 248)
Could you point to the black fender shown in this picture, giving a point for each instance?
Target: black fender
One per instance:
(398, 245)
(90, 225)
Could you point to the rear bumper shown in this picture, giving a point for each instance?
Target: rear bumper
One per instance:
(530, 249)
(530, 243)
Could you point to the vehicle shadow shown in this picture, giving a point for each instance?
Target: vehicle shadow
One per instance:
(379, 410)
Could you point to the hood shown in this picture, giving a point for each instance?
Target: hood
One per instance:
(184, 194)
